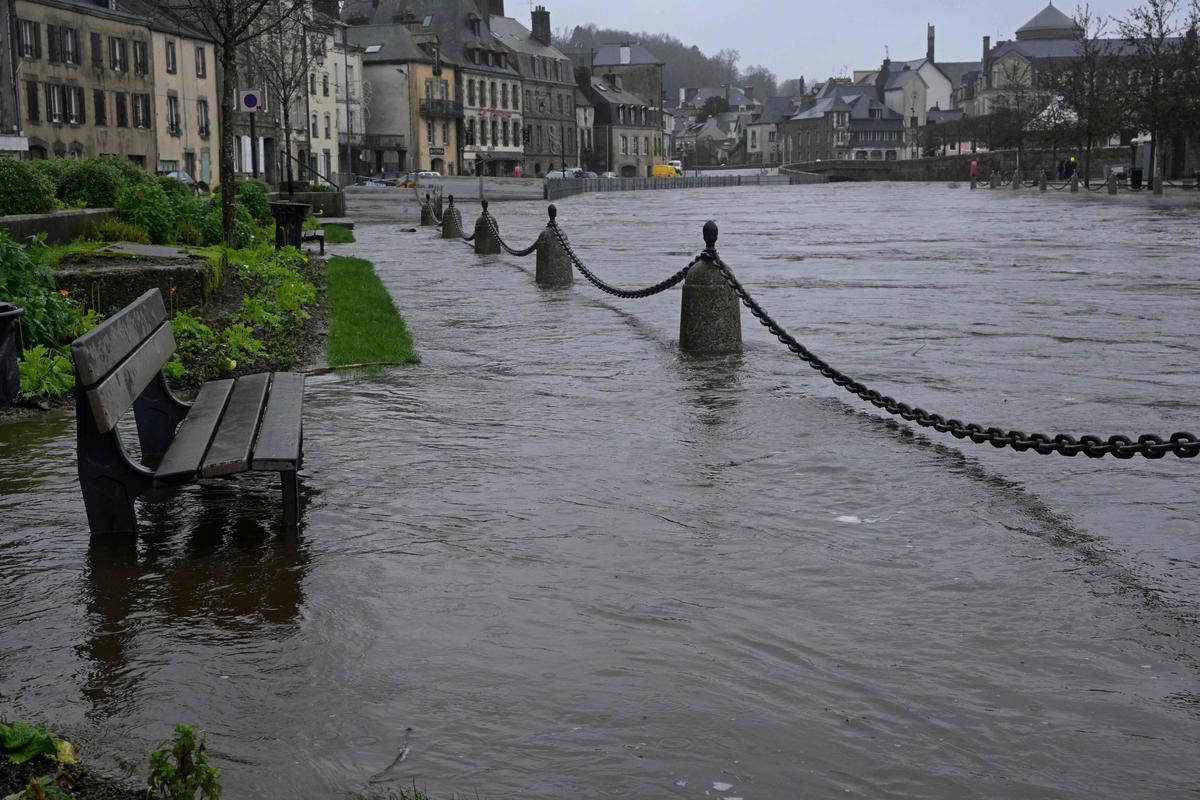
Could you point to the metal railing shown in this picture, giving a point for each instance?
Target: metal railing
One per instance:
(569, 187)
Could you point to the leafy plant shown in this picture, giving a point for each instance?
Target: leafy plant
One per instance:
(114, 230)
(91, 181)
(253, 195)
(321, 187)
(44, 788)
(147, 205)
(182, 771)
(83, 320)
(30, 284)
(45, 373)
(174, 369)
(191, 334)
(239, 345)
(23, 742)
(23, 189)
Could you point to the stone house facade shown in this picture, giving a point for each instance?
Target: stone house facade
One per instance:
(627, 132)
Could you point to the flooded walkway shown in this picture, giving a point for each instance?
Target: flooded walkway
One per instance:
(558, 559)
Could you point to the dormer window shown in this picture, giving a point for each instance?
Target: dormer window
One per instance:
(491, 58)
(475, 26)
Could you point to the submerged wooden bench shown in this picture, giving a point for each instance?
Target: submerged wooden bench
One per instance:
(251, 424)
(314, 236)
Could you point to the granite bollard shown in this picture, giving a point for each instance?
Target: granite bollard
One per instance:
(1112, 184)
(995, 179)
(710, 319)
(486, 243)
(451, 222)
(554, 266)
(1016, 180)
(427, 220)
(1074, 183)
(1043, 182)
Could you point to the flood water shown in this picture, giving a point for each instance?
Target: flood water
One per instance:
(558, 559)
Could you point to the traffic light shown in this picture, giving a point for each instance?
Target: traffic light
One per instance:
(525, 135)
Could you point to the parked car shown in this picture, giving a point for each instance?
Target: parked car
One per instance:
(608, 175)
(564, 172)
(590, 175)
(185, 179)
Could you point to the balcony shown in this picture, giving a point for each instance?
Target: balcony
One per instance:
(441, 108)
(379, 141)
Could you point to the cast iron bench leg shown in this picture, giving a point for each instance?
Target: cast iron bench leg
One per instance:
(107, 479)
(291, 500)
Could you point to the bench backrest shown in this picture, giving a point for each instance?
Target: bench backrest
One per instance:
(115, 361)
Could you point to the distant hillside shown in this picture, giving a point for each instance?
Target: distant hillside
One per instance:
(685, 66)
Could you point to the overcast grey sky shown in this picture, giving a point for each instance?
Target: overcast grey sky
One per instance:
(818, 39)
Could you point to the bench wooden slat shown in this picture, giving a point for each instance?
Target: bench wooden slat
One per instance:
(230, 450)
(279, 436)
(113, 396)
(195, 434)
(100, 350)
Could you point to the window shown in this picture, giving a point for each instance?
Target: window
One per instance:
(141, 111)
(560, 104)
(624, 145)
(56, 99)
(97, 50)
(172, 66)
(445, 91)
(527, 96)
(429, 88)
(202, 127)
(68, 45)
(141, 58)
(540, 137)
(754, 138)
(314, 126)
(172, 115)
(495, 138)
(325, 85)
(621, 114)
(470, 131)
(31, 101)
(515, 92)
(122, 110)
(471, 92)
(326, 162)
(429, 132)
(75, 109)
(118, 54)
(771, 136)
(100, 107)
(30, 36)
(493, 93)
(201, 63)
(312, 83)
(327, 136)
(516, 137)
(504, 134)
(646, 145)
(483, 130)
(504, 95)
(635, 146)
(445, 133)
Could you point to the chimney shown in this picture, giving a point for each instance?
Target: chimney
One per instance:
(626, 53)
(986, 64)
(541, 25)
(929, 51)
(494, 8)
(748, 91)
(881, 80)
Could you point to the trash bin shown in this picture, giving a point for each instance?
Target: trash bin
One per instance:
(1135, 178)
(10, 379)
(289, 223)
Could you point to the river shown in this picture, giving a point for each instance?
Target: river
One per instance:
(559, 559)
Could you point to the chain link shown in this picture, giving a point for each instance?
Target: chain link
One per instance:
(491, 223)
(1183, 445)
(627, 294)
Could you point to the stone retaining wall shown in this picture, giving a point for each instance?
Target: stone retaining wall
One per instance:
(60, 227)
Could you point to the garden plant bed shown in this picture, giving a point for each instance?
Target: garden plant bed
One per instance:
(110, 279)
(84, 783)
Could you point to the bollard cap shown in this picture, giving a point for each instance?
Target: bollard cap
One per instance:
(553, 212)
(451, 199)
(485, 205)
(427, 197)
(710, 236)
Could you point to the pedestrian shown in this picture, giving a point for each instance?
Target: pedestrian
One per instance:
(974, 168)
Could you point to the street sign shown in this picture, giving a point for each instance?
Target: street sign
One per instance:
(251, 100)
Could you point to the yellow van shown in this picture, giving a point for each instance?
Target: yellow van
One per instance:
(663, 171)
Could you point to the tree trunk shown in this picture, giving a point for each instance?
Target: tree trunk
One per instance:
(287, 144)
(225, 117)
(1087, 161)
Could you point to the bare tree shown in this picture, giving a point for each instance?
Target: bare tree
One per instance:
(1017, 102)
(763, 80)
(283, 57)
(1086, 85)
(231, 24)
(1156, 88)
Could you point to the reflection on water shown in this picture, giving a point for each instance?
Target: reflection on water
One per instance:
(559, 559)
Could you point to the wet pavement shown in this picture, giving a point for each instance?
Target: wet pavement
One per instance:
(558, 559)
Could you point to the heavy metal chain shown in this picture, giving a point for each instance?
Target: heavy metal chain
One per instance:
(1183, 445)
(491, 223)
(627, 294)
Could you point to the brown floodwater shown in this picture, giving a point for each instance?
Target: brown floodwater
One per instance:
(559, 559)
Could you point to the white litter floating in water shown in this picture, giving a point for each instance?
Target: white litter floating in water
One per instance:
(849, 520)
(681, 783)
(722, 787)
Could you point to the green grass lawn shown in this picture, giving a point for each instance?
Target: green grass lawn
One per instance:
(365, 326)
(338, 234)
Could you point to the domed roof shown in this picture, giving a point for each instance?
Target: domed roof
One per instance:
(1050, 23)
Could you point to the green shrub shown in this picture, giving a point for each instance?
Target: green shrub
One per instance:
(52, 168)
(321, 187)
(24, 189)
(240, 346)
(191, 334)
(245, 231)
(45, 373)
(176, 189)
(130, 173)
(182, 772)
(146, 204)
(114, 230)
(253, 195)
(30, 284)
(92, 182)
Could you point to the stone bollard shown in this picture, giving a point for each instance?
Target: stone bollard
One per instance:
(1157, 181)
(974, 183)
(427, 220)
(1112, 184)
(995, 179)
(1016, 180)
(1043, 182)
(486, 243)
(554, 266)
(451, 222)
(710, 319)
(1074, 183)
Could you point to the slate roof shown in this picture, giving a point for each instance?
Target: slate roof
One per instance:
(953, 115)
(775, 110)
(518, 38)
(598, 91)
(164, 20)
(897, 79)
(736, 97)
(450, 20)
(395, 43)
(957, 70)
(1049, 23)
(858, 99)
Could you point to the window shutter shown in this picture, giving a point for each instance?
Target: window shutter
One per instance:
(37, 40)
(53, 43)
(76, 40)
(80, 104)
(97, 51)
(49, 103)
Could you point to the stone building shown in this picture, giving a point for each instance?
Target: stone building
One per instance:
(846, 121)
(547, 80)
(585, 124)
(641, 71)
(186, 95)
(327, 99)
(628, 129)
(85, 80)
(763, 145)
